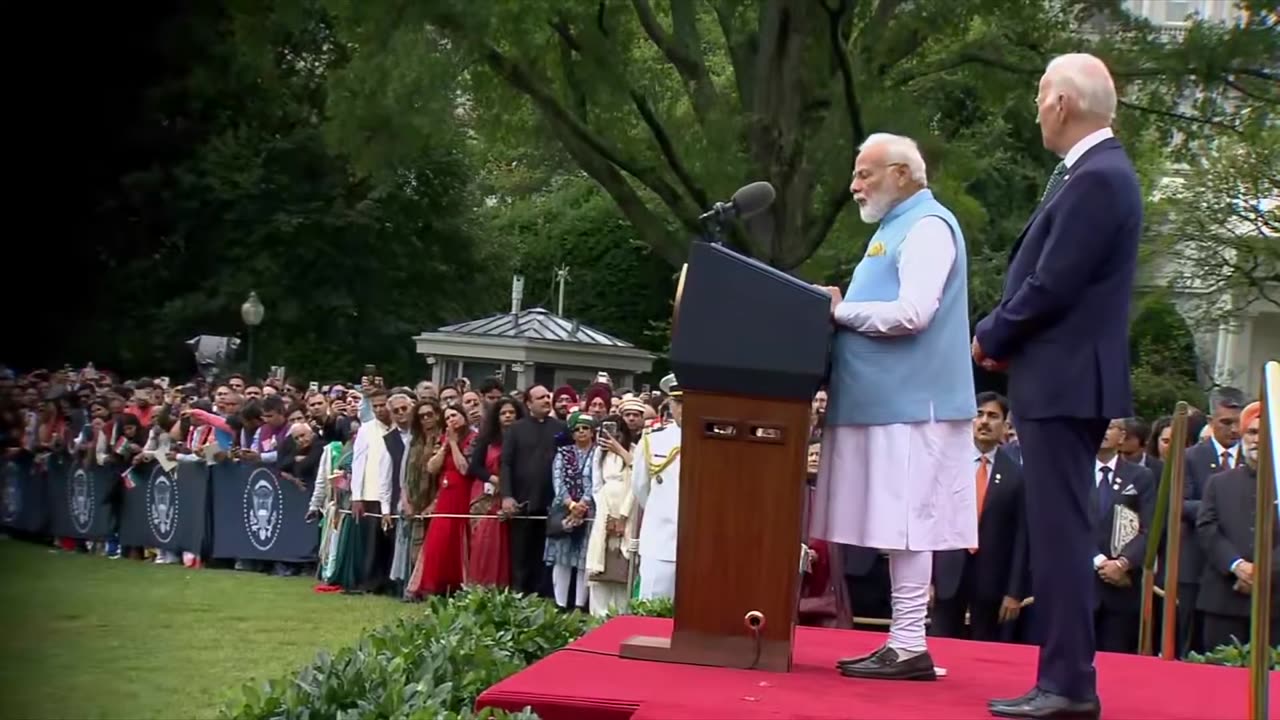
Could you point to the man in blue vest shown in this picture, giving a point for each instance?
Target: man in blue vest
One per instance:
(896, 472)
(1062, 332)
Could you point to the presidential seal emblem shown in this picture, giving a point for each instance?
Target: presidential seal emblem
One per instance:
(80, 500)
(12, 494)
(162, 506)
(263, 502)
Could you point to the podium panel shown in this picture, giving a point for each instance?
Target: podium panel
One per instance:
(749, 348)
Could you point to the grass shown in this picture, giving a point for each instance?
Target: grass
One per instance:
(87, 637)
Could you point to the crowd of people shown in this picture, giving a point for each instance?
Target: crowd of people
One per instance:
(415, 490)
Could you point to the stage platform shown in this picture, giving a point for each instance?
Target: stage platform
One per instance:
(588, 680)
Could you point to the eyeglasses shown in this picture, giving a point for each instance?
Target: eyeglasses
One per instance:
(401, 410)
(426, 415)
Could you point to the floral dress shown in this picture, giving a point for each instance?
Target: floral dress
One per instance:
(571, 472)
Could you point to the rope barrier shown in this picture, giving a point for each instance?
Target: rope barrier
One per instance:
(458, 516)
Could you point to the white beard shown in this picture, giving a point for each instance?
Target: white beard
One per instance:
(873, 211)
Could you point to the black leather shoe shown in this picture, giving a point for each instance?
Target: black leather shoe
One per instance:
(844, 662)
(1047, 705)
(1015, 700)
(885, 665)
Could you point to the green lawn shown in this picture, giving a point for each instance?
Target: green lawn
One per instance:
(87, 637)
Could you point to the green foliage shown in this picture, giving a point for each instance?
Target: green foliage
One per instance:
(659, 607)
(431, 665)
(616, 284)
(1214, 232)
(669, 106)
(1163, 356)
(1236, 654)
(349, 266)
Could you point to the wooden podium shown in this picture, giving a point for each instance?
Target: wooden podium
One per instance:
(749, 349)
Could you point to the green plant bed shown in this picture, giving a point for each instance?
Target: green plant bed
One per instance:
(430, 665)
(1234, 655)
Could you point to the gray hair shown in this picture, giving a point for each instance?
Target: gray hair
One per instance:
(1226, 397)
(1085, 78)
(900, 149)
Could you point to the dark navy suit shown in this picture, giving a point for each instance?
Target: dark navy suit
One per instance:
(1063, 328)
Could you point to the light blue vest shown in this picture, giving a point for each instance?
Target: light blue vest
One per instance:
(909, 378)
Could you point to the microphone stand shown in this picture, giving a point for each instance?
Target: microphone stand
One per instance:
(713, 230)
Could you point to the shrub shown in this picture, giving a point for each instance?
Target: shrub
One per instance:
(433, 665)
(1234, 655)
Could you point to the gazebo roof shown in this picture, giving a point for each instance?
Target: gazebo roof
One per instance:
(535, 324)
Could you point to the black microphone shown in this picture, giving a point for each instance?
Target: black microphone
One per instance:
(749, 200)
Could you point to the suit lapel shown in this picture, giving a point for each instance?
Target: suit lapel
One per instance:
(1079, 163)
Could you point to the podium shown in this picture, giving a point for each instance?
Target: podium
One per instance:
(749, 348)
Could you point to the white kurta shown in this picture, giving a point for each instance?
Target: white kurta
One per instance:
(907, 486)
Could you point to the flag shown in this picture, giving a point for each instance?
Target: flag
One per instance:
(129, 484)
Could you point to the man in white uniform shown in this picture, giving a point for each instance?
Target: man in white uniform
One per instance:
(896, 472)
(655, 482)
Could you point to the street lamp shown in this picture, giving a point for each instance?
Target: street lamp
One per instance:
(251, 312)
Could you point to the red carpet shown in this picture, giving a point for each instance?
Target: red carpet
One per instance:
(571, 684)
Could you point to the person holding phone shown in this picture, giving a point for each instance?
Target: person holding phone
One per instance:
(490, 559)
(610, 557)
(443, 561)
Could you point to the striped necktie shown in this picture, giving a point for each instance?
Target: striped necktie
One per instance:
(1059, 174)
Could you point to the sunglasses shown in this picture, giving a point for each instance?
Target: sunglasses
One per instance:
(425, 415)
(401, 411)
(582, 428)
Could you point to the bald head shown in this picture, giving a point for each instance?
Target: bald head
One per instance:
(1076, 97)
(1086, 80)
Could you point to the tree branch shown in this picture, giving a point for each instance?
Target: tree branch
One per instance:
(741, 51)
(1182, 116)
(841, 57)
(682, 52)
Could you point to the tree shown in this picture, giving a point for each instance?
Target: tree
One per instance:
(671, 107)
(349, 265)
(616, 284)
(1164, 364)
(1215, 230)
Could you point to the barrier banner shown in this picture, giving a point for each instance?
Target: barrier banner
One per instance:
(82, 499)
(24, 498)
(166, 510)
(258, 516)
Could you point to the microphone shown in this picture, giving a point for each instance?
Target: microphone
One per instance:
(747, 201)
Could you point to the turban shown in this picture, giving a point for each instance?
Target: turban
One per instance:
(564, 391)
(1252, 412)
(633, 405)
(598, 390)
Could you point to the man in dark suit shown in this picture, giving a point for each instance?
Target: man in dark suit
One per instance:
(1062, 332)
(1225, 529)
(1119, 484)
(1133, 447)
(866, 571)
(989, 582)
(1219, 453)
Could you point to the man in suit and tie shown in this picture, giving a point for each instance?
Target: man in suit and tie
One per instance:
(988, 582)
(1219, 453)
(1133, 447)
(1119, 484)
(1225, 529)
(1061, 331)
(398, 439)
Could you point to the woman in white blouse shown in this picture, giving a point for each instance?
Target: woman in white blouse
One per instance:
(609, 552)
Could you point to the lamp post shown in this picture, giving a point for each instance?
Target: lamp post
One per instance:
(251, 312)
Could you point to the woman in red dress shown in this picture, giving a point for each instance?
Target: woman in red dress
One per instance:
(489, 557)
(442, 558)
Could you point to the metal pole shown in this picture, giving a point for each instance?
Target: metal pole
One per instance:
(250, 352)
(1173, 548)
(1168, 511)
(1264, 528)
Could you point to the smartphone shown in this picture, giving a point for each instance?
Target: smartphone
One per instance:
(609, 429)
(314, 386)
(371, 370)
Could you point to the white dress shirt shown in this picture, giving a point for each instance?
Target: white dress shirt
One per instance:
(1086, 142)
(1232, 452)
(369, 484)
(1097, 483)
